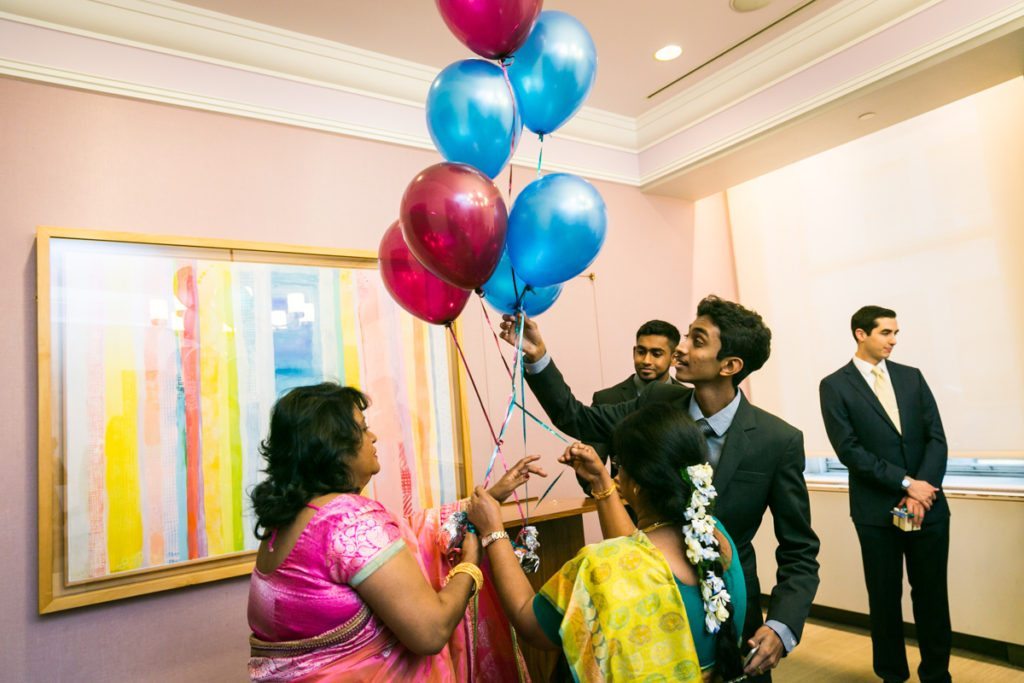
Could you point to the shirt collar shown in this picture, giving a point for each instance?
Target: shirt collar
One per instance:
(720, 421)
(866, 369)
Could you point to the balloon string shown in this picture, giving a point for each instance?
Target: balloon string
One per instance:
(540, 157)
(497, 438)
(497, 343)
(522, 399)
(543, 424)
(472, 381)
(504, 63)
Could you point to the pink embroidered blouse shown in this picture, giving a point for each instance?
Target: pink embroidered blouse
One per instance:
(313, 590)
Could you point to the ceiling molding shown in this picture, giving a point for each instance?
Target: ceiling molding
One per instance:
(186, 31)
(165, 51)
(1010, 19)
(832, 31)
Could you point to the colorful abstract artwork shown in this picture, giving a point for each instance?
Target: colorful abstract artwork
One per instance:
(165, 363)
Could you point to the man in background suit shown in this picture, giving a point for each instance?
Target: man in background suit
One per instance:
(883, 423)
(656, 342)
(758, 459)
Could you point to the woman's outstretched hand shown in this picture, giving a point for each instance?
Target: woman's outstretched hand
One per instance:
(484, 512)
(516, 476)
(587, 464)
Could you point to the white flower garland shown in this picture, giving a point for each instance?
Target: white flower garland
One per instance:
(702, 546)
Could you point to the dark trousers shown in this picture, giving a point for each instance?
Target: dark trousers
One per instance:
(883, 550)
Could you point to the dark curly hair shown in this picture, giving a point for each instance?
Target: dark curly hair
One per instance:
(742, 331)
(653, 445)
(312, 433)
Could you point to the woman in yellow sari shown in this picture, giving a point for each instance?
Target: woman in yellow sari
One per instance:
(658, 601)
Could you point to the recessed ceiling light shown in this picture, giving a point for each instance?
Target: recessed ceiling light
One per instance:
(866, 115)
(748, 5)
(668, 53)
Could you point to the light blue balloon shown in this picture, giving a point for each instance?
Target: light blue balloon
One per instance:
(472, 117)
(502, 292)
(556, 229)
(553, 71)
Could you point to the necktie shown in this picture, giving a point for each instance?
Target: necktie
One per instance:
(714, 454)
(706, 429)
(886, 396)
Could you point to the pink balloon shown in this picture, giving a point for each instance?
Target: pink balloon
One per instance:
(490, 28)
(413, 286)
(454, 221)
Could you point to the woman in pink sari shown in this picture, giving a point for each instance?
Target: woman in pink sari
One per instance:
(342, 589)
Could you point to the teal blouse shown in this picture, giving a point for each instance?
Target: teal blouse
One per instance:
(550, 620)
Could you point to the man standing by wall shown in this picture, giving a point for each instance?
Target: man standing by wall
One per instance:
(758, 459)
(656, 342)
(883, 424)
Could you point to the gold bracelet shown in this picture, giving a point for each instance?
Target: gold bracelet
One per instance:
(472, 571)
(601, 495)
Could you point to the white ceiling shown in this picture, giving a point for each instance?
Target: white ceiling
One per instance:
(794, 78)
(626, 35)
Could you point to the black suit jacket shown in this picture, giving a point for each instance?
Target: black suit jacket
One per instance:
(878, 456)
(617, 393)
(762, 466)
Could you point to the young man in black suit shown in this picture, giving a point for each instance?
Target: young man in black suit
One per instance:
(758, 459)
(656, 342)
(884, 425)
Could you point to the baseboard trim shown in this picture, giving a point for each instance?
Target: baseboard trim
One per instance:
(1011, 653)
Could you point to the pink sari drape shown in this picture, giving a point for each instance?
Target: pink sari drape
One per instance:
(362, 651)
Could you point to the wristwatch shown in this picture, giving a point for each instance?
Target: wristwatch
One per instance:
(905, 484)
(492, 537)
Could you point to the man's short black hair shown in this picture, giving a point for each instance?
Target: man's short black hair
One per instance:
(866, 318)
(742, 331)
(662, 329)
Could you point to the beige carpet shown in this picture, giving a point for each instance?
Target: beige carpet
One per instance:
(842, 654)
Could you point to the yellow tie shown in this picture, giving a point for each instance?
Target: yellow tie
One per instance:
(886, 396)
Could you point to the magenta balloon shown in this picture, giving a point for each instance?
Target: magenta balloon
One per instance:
(490, 28)
(415, 288)
(454, 221)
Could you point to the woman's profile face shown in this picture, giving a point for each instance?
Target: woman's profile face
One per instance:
(364, 463)
(627, 487)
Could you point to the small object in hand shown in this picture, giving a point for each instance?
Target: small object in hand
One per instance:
(454, 530)
(749, 656)
(525, 549)
(904, 520)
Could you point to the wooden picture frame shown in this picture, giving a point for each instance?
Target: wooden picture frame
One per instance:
(159, 360)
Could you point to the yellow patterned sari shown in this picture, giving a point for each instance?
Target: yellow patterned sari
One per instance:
(623, 615)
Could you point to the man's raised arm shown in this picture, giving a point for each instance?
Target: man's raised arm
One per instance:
(588, 423)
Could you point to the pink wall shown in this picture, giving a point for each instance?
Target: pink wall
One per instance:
(76, 159)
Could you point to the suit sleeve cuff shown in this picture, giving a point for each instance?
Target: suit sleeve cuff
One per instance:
(537, 367)
(785, 634)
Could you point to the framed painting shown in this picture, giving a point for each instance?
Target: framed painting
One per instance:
(159, 361)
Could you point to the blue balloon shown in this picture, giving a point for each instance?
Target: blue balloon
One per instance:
(553, 71)
(472, 117)
(556, 229)
(503, 289)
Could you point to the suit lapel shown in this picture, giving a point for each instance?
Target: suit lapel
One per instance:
(856, 379)
(896, 376)
(737, 443)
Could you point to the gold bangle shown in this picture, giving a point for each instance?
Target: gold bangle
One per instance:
(470, 570)
(601, 495)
